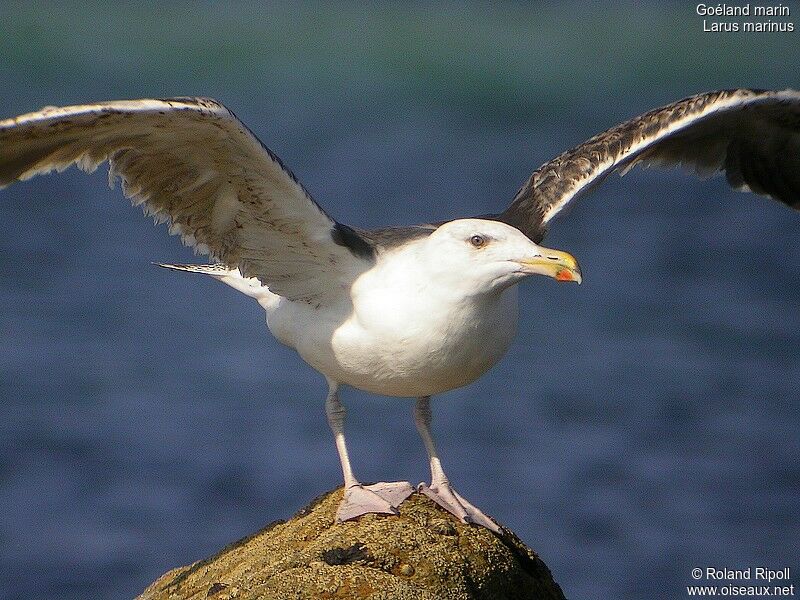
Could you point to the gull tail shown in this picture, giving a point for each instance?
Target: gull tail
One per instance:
(249, 286)
(216, 271)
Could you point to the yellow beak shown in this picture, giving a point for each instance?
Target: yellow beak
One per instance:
(561, 266)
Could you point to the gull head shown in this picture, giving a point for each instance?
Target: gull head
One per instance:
(488, 256)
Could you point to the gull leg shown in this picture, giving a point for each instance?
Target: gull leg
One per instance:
(440, 490)
(382, 497)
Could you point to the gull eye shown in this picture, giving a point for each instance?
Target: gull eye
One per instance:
(478, 241)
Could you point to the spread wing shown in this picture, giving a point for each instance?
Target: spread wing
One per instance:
(753, 136)
(192, 163)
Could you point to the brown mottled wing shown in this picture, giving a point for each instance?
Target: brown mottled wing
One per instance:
(754, 136)
(192, 163)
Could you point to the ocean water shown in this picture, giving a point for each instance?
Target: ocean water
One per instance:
(643, 424)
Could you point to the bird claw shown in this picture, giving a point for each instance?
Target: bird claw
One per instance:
(381, 498)
(450, 500)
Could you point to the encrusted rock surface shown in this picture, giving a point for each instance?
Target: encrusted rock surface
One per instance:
(422, 554)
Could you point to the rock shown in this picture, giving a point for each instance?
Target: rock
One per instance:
(422, 554)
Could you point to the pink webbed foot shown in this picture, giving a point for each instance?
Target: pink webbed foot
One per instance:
(382, 498)
(450, 500)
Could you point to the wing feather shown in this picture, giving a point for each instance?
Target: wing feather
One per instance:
(751, 135)
(191, 163)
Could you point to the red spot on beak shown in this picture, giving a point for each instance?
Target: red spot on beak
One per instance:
(564, 275)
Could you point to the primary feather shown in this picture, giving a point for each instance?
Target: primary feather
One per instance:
(191, 163)
(751, 135)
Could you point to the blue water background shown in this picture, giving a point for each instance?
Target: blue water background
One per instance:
(642, 424)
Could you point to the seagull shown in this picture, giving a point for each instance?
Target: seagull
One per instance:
(404, 311)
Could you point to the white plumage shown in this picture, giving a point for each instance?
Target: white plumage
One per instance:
(410, 311)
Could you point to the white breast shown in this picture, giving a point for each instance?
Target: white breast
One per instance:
(399, 334)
